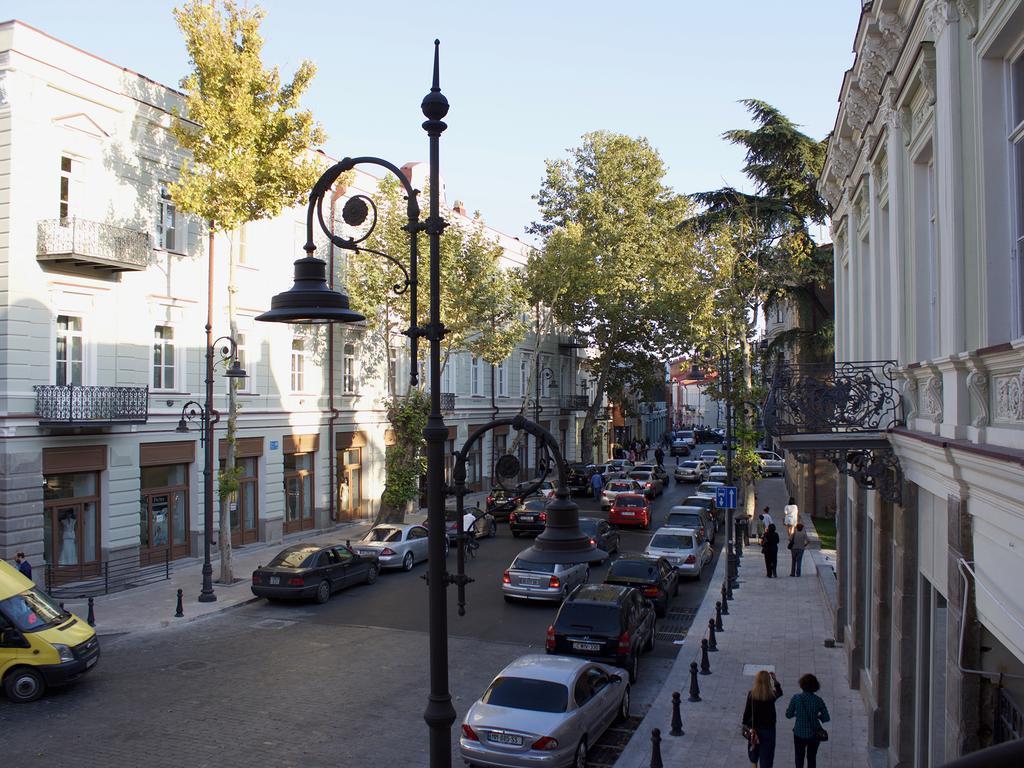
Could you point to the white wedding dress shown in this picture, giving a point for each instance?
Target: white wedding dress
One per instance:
(69, 546)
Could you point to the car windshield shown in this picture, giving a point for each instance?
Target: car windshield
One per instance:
(573, 617)
(32, 610)
(683, 520)
(629, 501)
(697, 501)
(632, 569)
(672, 541)
(383, 534)
(292, 558)
(689, 465)
(521, 564)
(523, 693)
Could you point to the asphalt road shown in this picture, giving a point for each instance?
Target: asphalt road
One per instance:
(343, 684)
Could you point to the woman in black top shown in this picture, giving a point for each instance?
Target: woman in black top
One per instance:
(759, 714)
(770, 548)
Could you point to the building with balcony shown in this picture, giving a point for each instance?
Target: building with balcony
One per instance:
(103, 301)
(922, 408)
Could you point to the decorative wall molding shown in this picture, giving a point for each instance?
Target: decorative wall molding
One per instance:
(858, 107)
(5, 100)
(927, 72)
(932, 405)
(939, 14)
(1008, 401)
(909, 395)
(977, 385)
(845, 155)
(892, 29)
(969, 12)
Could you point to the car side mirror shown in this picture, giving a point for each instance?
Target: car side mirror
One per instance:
(12, 638)
(616, 679)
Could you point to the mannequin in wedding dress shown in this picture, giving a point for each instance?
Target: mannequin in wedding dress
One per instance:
(68, 535)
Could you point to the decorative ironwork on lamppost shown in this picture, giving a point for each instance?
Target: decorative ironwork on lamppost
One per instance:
(546, 374)
(208, 417)
(310, 300)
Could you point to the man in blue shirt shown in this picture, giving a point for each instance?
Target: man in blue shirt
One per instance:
(23, 565)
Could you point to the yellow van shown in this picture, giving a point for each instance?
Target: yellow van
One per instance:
(40, 643)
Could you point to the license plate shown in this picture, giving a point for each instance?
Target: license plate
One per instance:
(529, 582)
(275, 579)
(527, 518)
(629, 514)
(506, 738)
(586, 646)
(91, 662)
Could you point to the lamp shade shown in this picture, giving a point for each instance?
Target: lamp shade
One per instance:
(562, 540)
(235, 371)
(182, 426)
(310, 299)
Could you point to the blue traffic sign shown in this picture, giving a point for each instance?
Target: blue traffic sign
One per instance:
(725, 497)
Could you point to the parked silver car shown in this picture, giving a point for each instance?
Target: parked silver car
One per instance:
(649, 482)
(771, 463)
(691, 472)
(718, 473)
(682, 547)
(543, 711)
(396, 546)
(529, 580)
(695, 518)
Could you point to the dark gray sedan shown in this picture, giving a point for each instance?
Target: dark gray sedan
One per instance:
(316, 571)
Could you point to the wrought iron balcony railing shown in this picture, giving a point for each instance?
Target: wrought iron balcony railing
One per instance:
(575, 402)
(832, 397)
(80, 242)
(447, 402)
(58, 405)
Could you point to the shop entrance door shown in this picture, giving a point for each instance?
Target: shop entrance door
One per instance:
(163, 522)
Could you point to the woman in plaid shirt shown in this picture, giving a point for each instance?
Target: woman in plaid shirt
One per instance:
(810, 712)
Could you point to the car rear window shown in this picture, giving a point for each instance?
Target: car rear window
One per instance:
(292, 558)
(689, 465)
(640, 475)
(696, 501)
(620, 486)
(672, 541)
(383, 534)
(629, 501)
(591, 617)
(633, 569)
(523, 693)
(683, 520)
(521, 564)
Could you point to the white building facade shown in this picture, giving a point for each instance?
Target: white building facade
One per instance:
(103, 301)
(925, 173)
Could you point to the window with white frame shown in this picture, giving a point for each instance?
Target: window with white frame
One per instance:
(166, 223)
(66, 166)
(1017, 154)
(448, 375)
(298, 365)
(925, 236)
(524, 373)
(392, 371)
(163, 357)
(501, 378)
(70, 362)
(474, 376)
(244, 385)
(241, 251)
(348, 369)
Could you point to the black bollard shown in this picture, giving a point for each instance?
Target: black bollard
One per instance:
(677, 719)
(180, 611)
(656, 749)
(728, 588)
(91, 618)
(718, 617)
(725, 602)
(694, 687)
(712, 641)
(705, 662)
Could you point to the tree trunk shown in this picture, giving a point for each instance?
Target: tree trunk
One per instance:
(226, 500)
(395, 515)
(749, 481)
(587, 432)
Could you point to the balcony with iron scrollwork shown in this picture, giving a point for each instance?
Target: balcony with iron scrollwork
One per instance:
(447, 402)
(842, 411)
(76, 406)
(81, 243)
(574, 403)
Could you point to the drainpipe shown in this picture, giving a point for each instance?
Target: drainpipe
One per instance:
(332, 480)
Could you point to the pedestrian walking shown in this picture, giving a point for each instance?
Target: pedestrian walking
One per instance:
(790, 515)
(797, 545)
(766, 514)
(810, 712)
(659, 456)
(759, 719)
(770, 550)
(597, 483)
(761, 527)
(23, 565)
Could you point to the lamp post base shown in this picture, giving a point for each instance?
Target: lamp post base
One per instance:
(206, 594)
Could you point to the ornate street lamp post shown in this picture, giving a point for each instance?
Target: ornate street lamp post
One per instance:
(207, 418)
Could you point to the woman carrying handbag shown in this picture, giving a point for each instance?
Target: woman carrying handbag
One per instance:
(810, 712)
(759, 719)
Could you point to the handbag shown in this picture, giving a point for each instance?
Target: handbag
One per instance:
(790, 545)
(820, 734)
(753, 742)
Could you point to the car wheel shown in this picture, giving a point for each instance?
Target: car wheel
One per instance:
(651, 639)
(23, 685)
(580, 761)
(623, 713)
(323, 592)
(371, 574)
(634, 668)
(407, 561)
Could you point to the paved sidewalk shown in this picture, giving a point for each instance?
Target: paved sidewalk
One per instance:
(781, 622)
(152, 607)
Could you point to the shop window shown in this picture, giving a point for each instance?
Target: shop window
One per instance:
(350, 483)
(71, 525)
(163, 513)
(298, 492)
(244, 503)
(70, 351)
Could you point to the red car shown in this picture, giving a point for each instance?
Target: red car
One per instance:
(630, 509)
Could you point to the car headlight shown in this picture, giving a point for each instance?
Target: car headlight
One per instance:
(64, 652)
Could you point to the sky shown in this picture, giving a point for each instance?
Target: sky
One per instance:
(525, 78)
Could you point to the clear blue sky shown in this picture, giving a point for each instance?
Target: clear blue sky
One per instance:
(525, 78)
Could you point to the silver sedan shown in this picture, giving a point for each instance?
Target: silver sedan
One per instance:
(543, 710)
(396, 546)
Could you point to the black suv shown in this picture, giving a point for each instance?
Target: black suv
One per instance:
(500, 502)
(529, 516)
(606, 623)
(656, 578)
(578, 479)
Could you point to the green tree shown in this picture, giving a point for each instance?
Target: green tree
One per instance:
(758, 246)
(480, 310)
(614, 267)
(249, 141)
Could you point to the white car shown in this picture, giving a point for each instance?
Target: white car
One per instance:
(691, 472)
(771, 463)
(614, 487)
(683, 547)
(718, 473)
(710, 456)
(620, 465)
